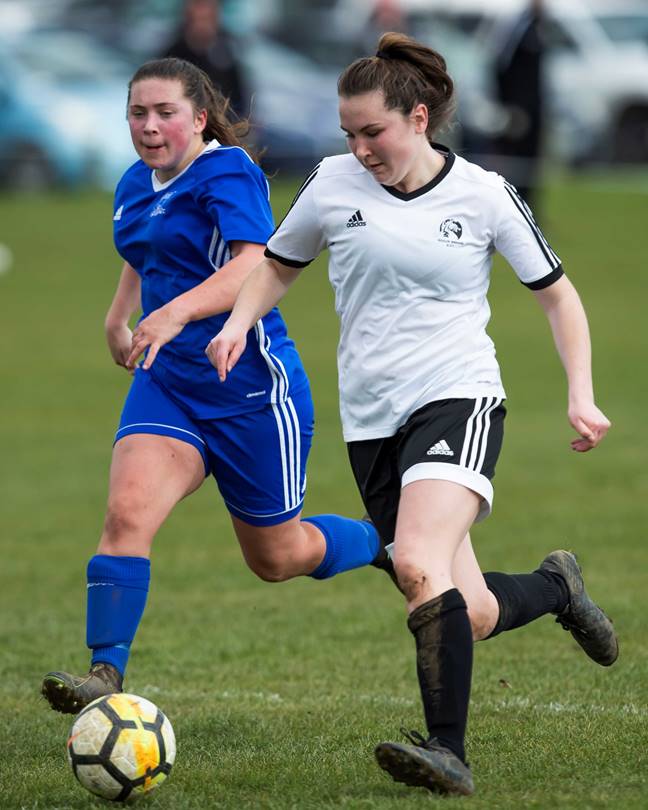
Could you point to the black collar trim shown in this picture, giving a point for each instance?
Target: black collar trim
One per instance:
(412, 195)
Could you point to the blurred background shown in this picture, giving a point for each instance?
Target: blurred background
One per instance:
(563, 80)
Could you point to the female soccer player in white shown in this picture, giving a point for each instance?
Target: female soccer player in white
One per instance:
(191, 219)
(411, 229)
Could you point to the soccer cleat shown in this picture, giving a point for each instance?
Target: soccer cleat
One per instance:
(425, 763)
(70, 693)
(582, 617)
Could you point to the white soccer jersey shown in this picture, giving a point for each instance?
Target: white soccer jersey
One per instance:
(410, 274)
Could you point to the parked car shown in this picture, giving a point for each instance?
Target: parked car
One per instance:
(294, 106)
(293, 100)
(63, 117)
(624, 21)
(597, 65)
(597, 79)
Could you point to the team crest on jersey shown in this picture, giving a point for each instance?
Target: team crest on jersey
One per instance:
(451, 232)
(159, 208)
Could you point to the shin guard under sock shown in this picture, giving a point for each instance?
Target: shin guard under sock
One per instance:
(349, 544)
(444, 653)
(117, 591)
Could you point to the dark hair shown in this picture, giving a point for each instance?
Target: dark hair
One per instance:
(408, 74)
(199, 89)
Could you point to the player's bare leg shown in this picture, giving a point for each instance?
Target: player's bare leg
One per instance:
(319, 546)
(277, 553)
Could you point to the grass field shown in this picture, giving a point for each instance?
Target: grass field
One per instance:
(278, 693)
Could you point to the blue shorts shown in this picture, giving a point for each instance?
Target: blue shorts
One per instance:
(258, 458)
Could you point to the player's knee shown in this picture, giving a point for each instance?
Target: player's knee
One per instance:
(483, 617)
(413, 580)
(270, 569)
(122, 522)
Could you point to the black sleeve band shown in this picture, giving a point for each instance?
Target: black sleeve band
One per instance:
(288, 262)
(545, 281)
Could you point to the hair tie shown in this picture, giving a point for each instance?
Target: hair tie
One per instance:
(380, 54)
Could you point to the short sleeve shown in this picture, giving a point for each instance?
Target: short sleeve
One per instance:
(299, 238)
(236, 198)
(519, 239)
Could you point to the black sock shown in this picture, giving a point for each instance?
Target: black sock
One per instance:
(525, 597)
(444, 653)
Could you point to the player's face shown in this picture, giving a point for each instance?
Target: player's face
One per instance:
(165, 128)
(387, 143)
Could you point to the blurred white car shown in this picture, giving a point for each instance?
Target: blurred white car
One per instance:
(597, 73)
(63, 116)
(597, 67)
(293, 106)
(624, 21)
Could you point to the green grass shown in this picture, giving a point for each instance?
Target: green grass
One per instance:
(278, 693)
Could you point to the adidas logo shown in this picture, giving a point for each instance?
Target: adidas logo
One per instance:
(440, 449)
(118, 213)
(356, 221)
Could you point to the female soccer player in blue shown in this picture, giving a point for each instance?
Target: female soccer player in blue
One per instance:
(191, 219)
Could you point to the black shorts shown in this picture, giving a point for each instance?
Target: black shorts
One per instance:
(452, 439)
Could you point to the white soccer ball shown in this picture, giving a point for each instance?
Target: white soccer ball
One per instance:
(121, 747)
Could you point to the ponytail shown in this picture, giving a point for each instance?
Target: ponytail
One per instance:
(407, 73)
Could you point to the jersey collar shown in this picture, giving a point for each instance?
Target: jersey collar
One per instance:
(159, 186)
(412, 195)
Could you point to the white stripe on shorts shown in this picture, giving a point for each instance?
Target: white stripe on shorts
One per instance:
(477, 427)
(157, 424)
(286, 419)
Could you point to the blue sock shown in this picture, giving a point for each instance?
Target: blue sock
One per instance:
(117, 591)
(349, 544)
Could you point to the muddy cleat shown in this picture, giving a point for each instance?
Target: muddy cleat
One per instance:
(582, 617)
(425, 763)
(70, 693)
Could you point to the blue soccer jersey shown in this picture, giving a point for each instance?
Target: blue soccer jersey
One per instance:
(175, 235)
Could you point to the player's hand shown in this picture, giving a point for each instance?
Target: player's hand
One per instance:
(225, 349)
(119, 337)
(152, 332)
(590, 423)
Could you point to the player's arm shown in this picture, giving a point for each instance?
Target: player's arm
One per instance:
(568, 321)
(125, 302)
(213, 296)
(263, 289)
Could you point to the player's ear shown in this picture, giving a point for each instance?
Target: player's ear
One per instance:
(200, 121)
(420, 117)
